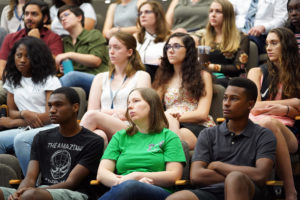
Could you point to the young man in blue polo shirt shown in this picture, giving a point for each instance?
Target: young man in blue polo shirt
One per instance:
(232, 160)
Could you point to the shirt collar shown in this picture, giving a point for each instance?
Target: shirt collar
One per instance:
(246, 132)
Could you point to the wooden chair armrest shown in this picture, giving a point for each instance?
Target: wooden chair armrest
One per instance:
(274, 183)
(220, 120)
(182, 182)
(297, 118)
(15, 181)
(94, 182)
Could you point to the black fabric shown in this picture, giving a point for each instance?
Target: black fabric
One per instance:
(58, 155)
(151, 69)
(195, 128)
(264, 91)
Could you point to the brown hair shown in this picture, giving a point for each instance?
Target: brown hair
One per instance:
(289, 63)
(134, 61)
(157, 118)
(161, 30)
(230, 34)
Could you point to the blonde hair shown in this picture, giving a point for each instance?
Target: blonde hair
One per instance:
(230, 33)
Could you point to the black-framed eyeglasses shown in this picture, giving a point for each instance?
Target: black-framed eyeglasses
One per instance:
(174, 47)
(145, 11)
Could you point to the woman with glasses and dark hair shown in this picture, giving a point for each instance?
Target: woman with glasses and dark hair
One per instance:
(185, 88)
(145, 160)
(152, 34)
(278, 101)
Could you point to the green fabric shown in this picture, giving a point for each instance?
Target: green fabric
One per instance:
(89, 42)
(144, 152)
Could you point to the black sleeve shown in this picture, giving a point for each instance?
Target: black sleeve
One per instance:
(34, 153)
(92, 154)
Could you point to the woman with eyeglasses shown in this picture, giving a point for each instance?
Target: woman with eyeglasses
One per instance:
(186, 89)
(278, 102)
(229, 46)
(109, 90)
(121, 16)
(152, 34)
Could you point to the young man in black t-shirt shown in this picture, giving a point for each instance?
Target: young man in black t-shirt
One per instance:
(66, 156)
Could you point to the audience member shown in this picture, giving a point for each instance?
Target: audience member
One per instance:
(121, 16)
(29, 77)
(86, 49)
(229, 47)
(12, 16)
(278, 101)
(36, 15)
(294, 19)
(145, 160)
(234, 159)
(90, 18)
(187, 15)
(109, 91)
(152, 34)
(3, 33)
(257, 18)
(186, 89)
(66, 157)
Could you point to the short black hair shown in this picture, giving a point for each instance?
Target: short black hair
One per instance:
(70, 94)
(247, 84)
(74, 9)
(43, 6)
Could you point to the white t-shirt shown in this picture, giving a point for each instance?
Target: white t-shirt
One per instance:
(56, 26)
(31, 96)
(149, 51)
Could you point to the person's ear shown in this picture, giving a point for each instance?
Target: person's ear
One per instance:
(129, 52)
(251, 104)
(75, 107)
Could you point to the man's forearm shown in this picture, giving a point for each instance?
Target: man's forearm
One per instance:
(206, 177)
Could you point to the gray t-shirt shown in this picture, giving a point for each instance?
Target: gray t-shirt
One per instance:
(219, 144)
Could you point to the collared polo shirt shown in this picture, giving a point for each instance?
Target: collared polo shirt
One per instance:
(219, 144)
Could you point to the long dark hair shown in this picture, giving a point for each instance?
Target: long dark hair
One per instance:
(41, 62)
(157, 118)
(289, 62)
(191, 70)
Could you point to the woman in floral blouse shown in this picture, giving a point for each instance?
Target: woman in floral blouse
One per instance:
(229, 47)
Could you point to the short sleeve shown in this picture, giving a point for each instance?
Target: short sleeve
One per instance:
(88, 11)
(34, 147)
(173, 148)
(52, 83)
(266, 147)
(94, 149)
(8, 87)
(202, 149)
(113, 150)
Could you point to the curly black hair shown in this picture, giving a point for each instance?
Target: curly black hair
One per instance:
(41, 62)
(191, 70)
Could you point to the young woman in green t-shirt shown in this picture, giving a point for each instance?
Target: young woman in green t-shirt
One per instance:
(145, 160)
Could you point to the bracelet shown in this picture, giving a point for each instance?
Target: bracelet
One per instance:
(21, 116)
(288, 110)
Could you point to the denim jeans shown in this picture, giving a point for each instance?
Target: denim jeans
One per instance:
(19, 140)
(135, 190)
(78, 79)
